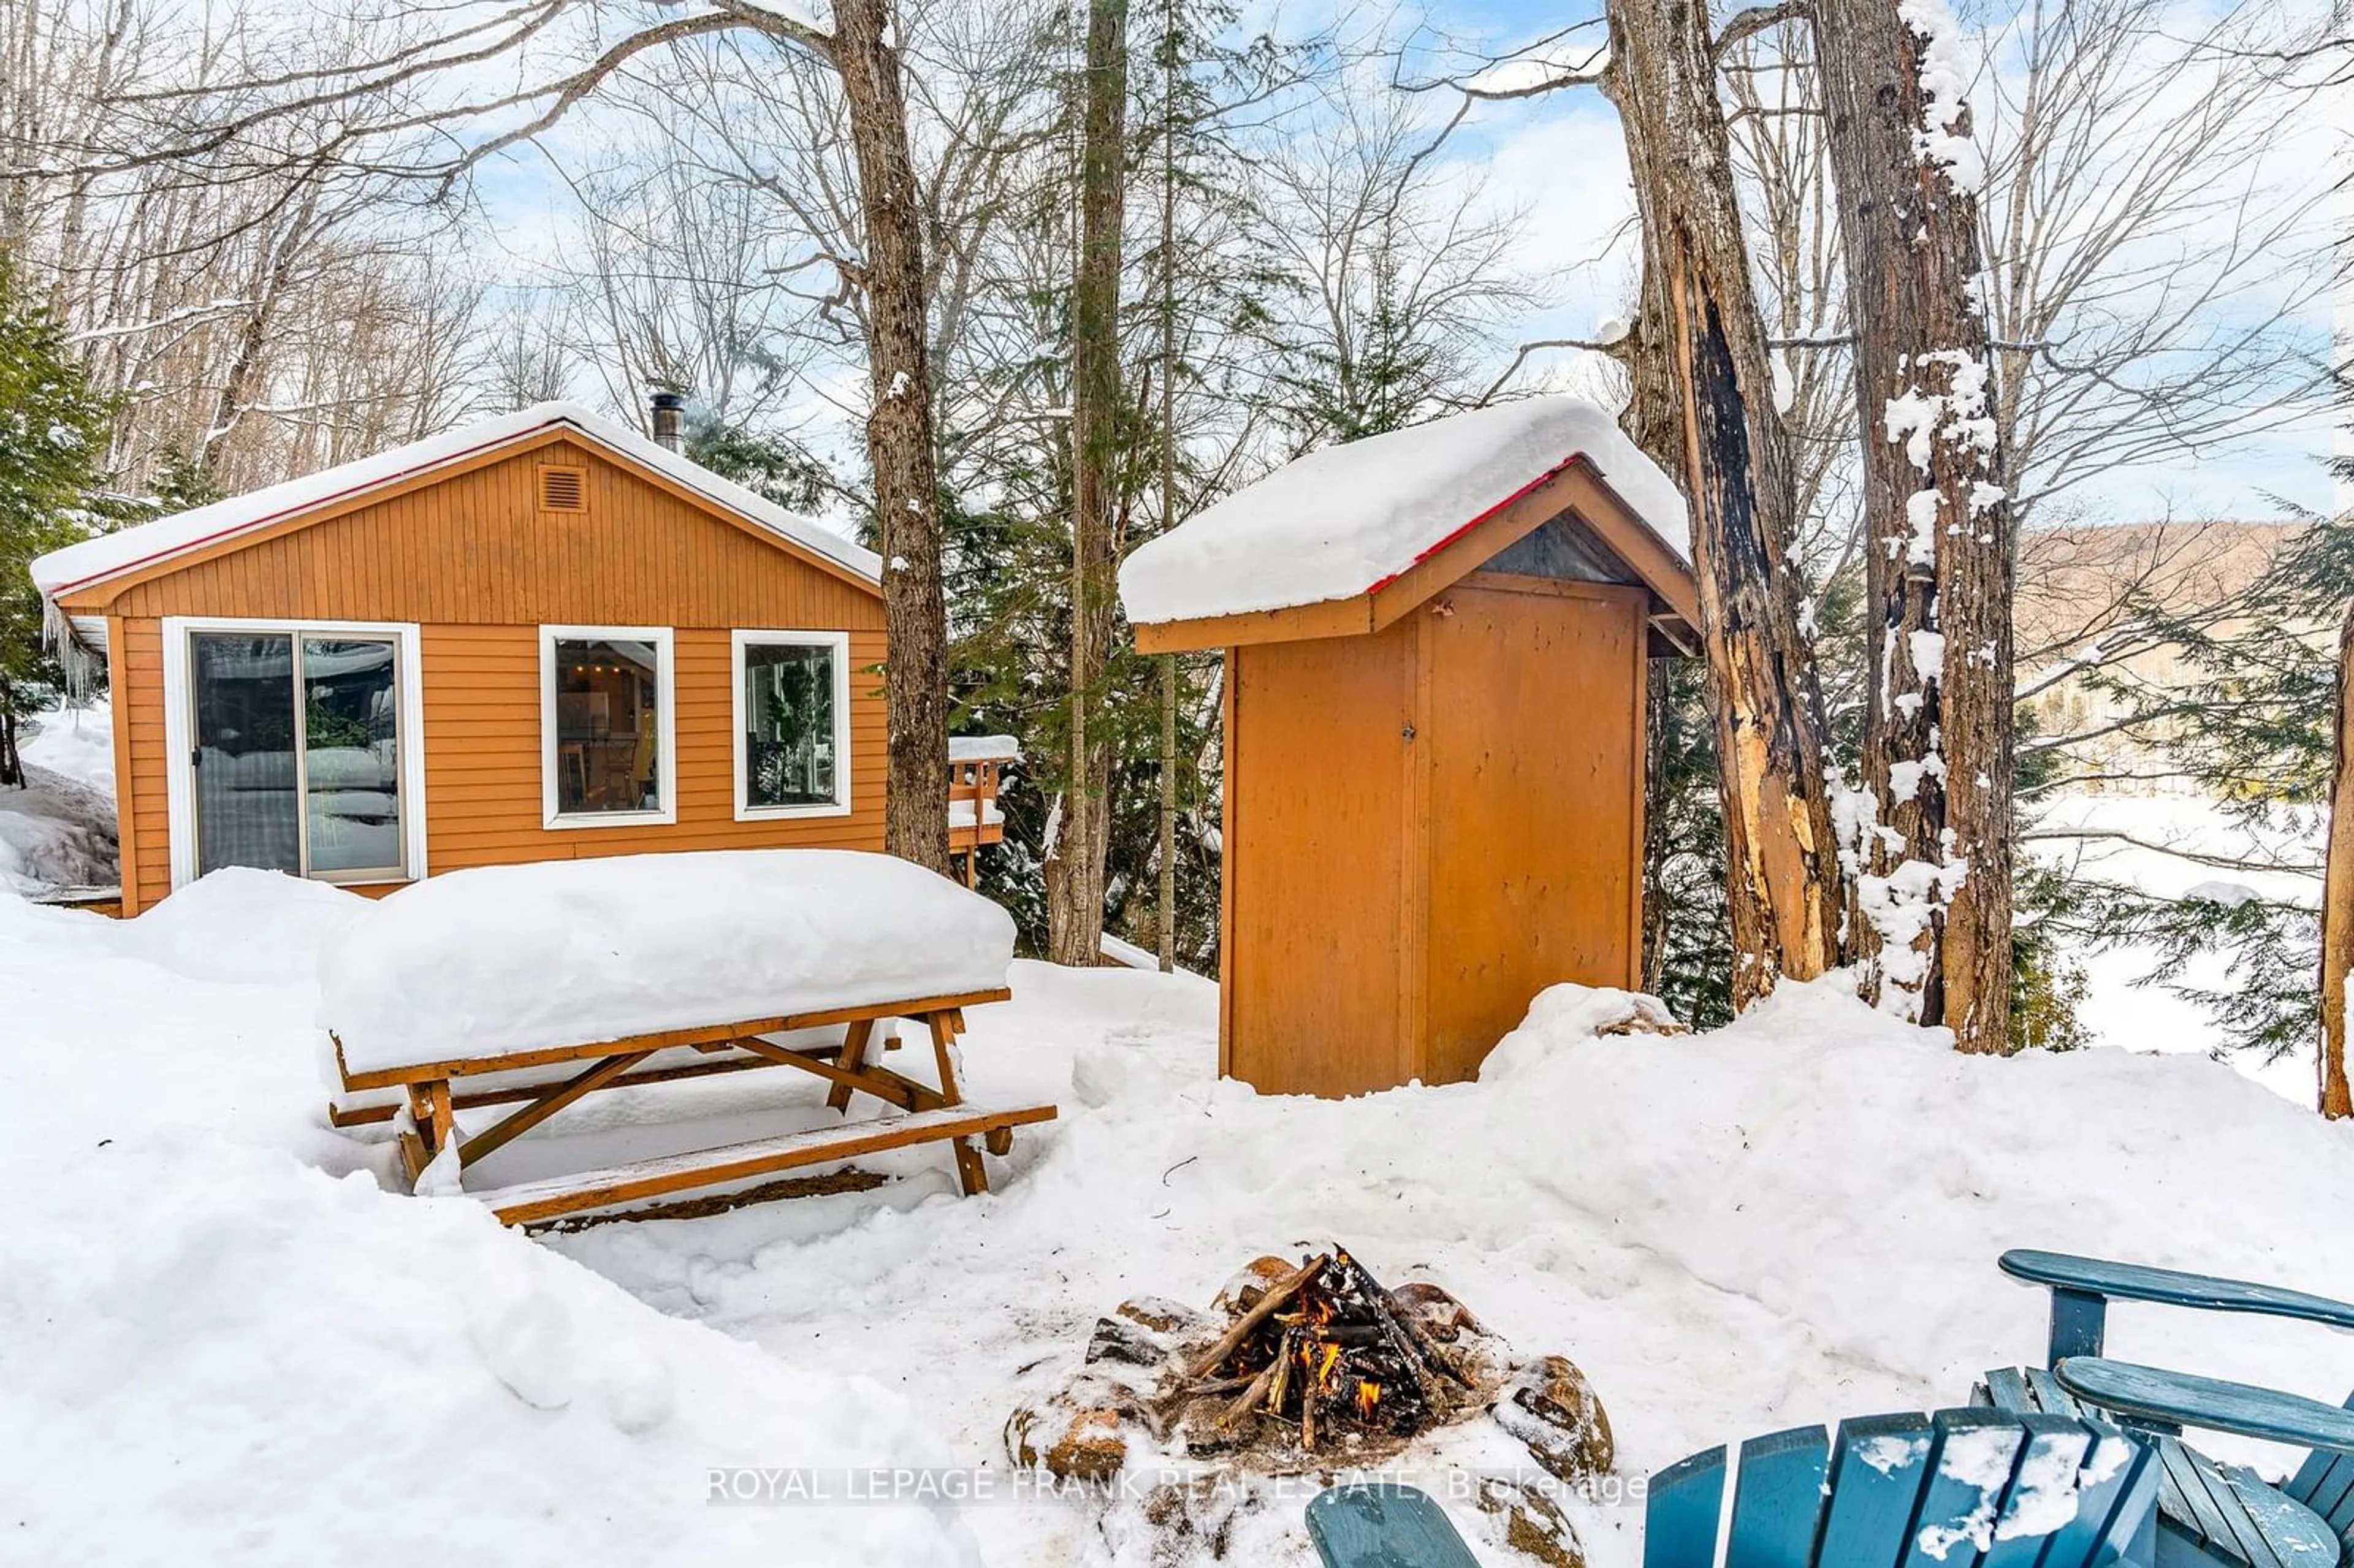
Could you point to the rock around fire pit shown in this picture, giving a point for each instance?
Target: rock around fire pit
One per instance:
(1301, 1367)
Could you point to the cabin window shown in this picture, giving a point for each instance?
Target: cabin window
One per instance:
(295, 749)
(607, 723)
(793, 723)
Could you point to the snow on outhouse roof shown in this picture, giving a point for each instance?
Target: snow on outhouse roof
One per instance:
(111, 554)
(1340, 522)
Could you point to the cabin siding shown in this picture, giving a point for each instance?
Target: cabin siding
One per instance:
(1426, 827)
(1316, 850)
(475, 549)
(136, 654)
(471, 560)
(482, 753)
(1536, 806)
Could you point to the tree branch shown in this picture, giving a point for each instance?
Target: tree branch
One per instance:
(1745, 25)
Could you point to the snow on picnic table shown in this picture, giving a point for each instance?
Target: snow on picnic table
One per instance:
(1791, 1220)
(502, 959)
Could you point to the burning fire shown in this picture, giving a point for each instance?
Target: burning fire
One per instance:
(1327, 1348)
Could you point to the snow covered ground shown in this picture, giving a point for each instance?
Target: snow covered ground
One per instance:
(220, 1338)
(59, 830)
(2174, 846)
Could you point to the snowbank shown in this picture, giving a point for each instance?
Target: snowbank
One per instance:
(513, 958)
(214, 1355)
(237, 924)
(1341, 521)
(76, 744)
(59, 830)
(1791, 1220)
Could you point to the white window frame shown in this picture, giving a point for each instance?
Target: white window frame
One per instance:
(666, 724)
(839, 643)
(180, 729)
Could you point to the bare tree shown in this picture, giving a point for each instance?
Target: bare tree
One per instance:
(2153, 242)
(402, 91)
(1397, 268)
(2335, 1099)
(1074, 855)
(1932, 874)
(256, 310)
(1703, 394)
(1783, 881)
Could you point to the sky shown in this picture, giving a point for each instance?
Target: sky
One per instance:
(1556, 165)
(1559, 156)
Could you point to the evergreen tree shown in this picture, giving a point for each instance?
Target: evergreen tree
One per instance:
(1008, 522)
(1688, 935)
(775, 467)
(2253, 731)
(52, 436)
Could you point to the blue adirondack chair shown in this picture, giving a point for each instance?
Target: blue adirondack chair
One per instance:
(1961, 1488)
(2210, 1513)
(1379, 1524)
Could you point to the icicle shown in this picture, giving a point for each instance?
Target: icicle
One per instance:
(82, 666)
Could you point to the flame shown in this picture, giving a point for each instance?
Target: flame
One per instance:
(1330, 1358)
(1369, 1394)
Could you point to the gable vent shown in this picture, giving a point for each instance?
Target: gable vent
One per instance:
(563, 490)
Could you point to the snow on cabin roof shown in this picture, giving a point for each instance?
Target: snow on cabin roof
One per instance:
(1340, 522)
(128, 550)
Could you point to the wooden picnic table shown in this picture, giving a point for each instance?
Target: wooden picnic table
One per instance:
(436, 1091)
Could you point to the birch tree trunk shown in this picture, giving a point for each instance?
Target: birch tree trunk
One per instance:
(2338, 892)
(1074, 859)
(1782, 881)
(899, 436)
(1932, 890)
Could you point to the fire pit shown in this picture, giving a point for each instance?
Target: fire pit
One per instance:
(1327, 1357)
(1311, 1367)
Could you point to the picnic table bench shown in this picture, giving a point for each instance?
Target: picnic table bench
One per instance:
(437, 1001)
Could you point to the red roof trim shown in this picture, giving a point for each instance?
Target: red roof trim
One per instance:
(1547, 477)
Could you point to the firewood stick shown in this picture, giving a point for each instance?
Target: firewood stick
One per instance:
(1422, 1358)
(1216, 1386)
(1308, 1411)
(1250, 1398)
(1401, 1338)
(1268, 1304)
(1284, 1355)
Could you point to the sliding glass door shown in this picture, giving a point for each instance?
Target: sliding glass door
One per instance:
(296, 753)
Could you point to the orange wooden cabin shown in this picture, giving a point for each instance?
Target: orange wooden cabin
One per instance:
(539, 637)
(1436, 667)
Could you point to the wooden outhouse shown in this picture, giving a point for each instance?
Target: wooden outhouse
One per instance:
(541, 636)
(1436, 644)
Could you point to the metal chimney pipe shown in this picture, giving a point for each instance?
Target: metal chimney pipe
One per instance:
(670, 421)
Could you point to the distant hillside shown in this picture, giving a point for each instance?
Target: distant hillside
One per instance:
(2086, 595)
